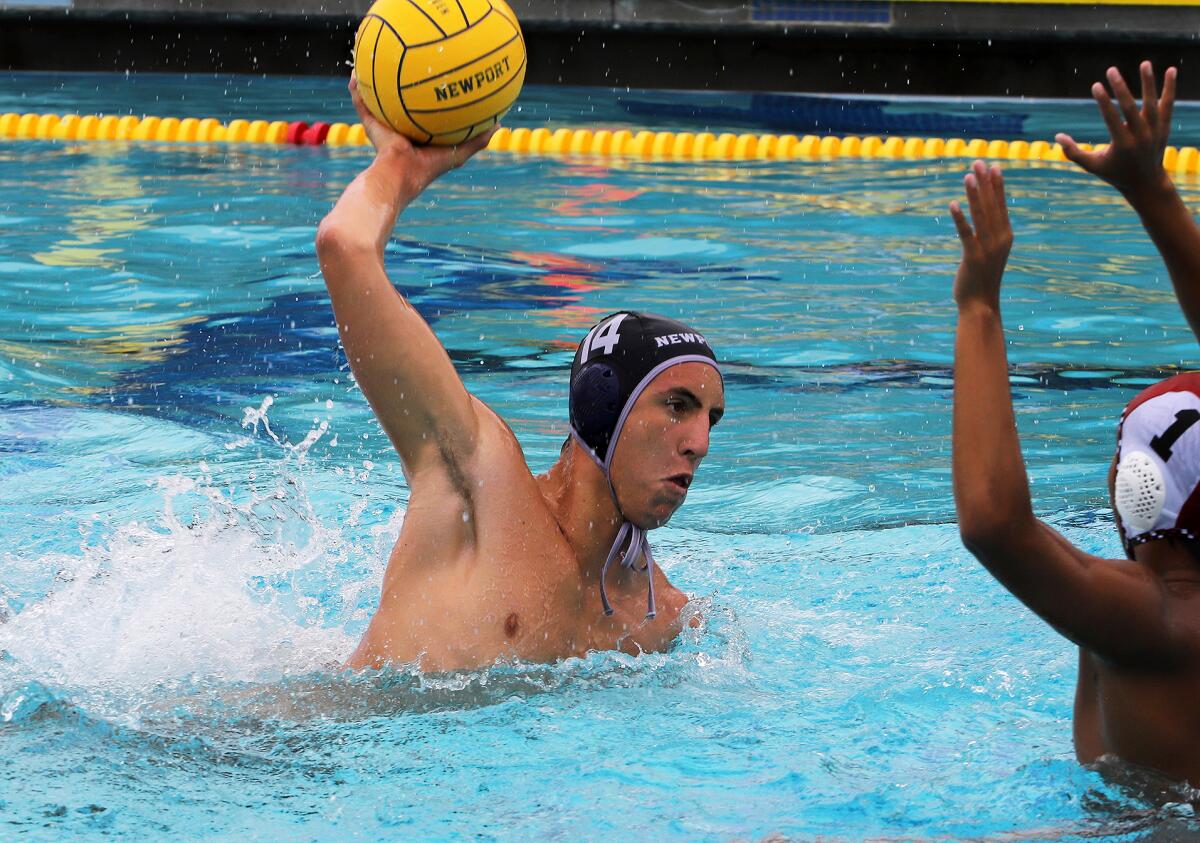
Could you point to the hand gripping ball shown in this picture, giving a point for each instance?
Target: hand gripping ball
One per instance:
(439, 71)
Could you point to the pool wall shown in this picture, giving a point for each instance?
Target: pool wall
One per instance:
(854, 46)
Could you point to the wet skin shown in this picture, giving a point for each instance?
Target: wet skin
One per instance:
(492, 562)
(496, 563)
(1146, 713)
(1136, 622)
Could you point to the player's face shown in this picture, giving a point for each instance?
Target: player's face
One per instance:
(664, 439)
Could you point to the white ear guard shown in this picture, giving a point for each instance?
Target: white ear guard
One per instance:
(1141, 492)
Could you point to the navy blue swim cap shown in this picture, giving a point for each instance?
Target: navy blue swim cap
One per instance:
(616, 361)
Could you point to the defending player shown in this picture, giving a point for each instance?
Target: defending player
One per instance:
(1136, 621)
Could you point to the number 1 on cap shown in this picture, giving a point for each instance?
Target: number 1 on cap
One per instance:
(603, 336)
(1183, 420)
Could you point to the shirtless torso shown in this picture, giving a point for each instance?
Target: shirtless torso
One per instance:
(490, 574)
(1143, 711)
(492, 562)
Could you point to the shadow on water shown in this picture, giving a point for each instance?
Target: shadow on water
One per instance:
(1141, 803)
(221, 357)
(292, 335)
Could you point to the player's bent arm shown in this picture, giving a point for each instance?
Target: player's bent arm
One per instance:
(399, 364)
(1113, 609)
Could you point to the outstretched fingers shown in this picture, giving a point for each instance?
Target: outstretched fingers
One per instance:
(986, 237)
(985, 194)
(1117, 129)
(1166, 103)
(1138, 133)
(994, 209)
(1125, 98)
(1149, 94)
(965, 232)
(998, 195)
(1086, 160)
(974, 200)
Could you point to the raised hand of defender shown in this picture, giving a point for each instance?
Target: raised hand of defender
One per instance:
(986, 239)
(423, 164)
(1132, 163)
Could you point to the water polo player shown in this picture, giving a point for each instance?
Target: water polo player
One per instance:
(493, 562)
(1136, 621)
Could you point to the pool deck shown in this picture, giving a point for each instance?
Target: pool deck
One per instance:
(825, 46)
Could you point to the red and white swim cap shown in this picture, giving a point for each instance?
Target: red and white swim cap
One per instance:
(1158, 467)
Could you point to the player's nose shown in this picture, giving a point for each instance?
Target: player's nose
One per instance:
(694, 439)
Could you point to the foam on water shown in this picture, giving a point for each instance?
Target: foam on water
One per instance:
(171, 600)
(215, 589)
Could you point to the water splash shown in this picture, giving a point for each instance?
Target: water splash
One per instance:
(246, 597)
(176, 600)
(252, 418)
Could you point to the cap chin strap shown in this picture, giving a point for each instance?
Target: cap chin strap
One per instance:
(630, 538)
(637, 545)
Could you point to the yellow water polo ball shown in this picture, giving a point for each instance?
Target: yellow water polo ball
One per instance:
(439, 71)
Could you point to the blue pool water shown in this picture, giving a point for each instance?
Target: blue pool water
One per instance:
(195, 501)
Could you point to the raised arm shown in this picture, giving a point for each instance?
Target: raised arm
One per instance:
(1112, 608)
(399, 364)
(1132, 163)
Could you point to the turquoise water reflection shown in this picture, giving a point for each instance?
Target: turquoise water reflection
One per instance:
(178, 578)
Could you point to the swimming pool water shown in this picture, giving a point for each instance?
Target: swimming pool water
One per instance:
(196, 503)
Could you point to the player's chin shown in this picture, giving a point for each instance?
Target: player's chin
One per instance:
(659, 513)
